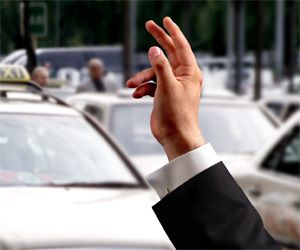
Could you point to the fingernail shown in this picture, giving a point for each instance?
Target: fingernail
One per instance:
(153, 52)
(167, 18)
(135, 94)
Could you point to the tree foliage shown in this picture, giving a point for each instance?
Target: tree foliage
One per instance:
(100, 22)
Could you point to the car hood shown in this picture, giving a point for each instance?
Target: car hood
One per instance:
(237, 164)
(34, 217)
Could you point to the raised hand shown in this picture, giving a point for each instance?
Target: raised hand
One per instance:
(174, 118)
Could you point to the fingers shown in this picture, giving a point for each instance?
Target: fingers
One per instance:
(164, 40)
(177, 36)
(145, 89)
(141, 77)
(161, 66)
(185, 53)
(160, 36)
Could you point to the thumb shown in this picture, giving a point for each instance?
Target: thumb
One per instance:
(161, 66)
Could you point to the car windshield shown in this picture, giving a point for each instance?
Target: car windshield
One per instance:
(235, 129)
(57, 150)
(130, 125)
(229, 128)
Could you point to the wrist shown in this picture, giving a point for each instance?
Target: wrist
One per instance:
(181, 143)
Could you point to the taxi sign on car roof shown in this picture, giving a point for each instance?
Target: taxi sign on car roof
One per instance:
(16, 77)
(13, 74)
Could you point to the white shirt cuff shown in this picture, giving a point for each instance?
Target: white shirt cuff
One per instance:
(181, 169)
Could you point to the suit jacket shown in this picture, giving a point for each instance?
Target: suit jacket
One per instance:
(210, 211)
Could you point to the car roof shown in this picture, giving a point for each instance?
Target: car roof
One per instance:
(89, 48)
(109, 99)
(42, 108)
(292, 98)
(114, 99)
(224, 60)
(67, 49)
(13, 74)
(32, 103)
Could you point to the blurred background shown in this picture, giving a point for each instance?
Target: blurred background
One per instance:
(260, 36)
(79, 54)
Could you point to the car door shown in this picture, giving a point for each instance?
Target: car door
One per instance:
(274, 189)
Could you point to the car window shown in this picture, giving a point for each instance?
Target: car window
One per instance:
(275, 107)
(285, 156)
(291, 109)
(36, 149)
(95, 111)
(130, 124)
(230, 128)
(235, 129)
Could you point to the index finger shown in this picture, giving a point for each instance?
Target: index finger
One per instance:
(141, 77)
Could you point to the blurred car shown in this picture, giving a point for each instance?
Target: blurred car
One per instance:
(236, 128)
(216, 71)
(271, 181)
(63, 181)
(283, 106)
(69, 57)
(12, 57)
(69, 63)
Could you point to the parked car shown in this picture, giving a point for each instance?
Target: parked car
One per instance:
(283, 106)
(64, 183)
(69, 63)
(264, 160)
(218, 71)
(236, 128)
(271, 181)
(71, 57)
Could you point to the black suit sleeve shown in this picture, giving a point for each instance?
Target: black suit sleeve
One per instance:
(210, 211)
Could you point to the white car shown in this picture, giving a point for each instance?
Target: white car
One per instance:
(271, 181)
(265, 161)
(64, 184)
(236, 128)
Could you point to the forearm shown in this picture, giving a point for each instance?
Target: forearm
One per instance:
(211, 211)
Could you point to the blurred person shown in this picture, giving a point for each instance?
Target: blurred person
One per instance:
(99, 81)
(48, 66)
(201, 206)
(40, 75)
